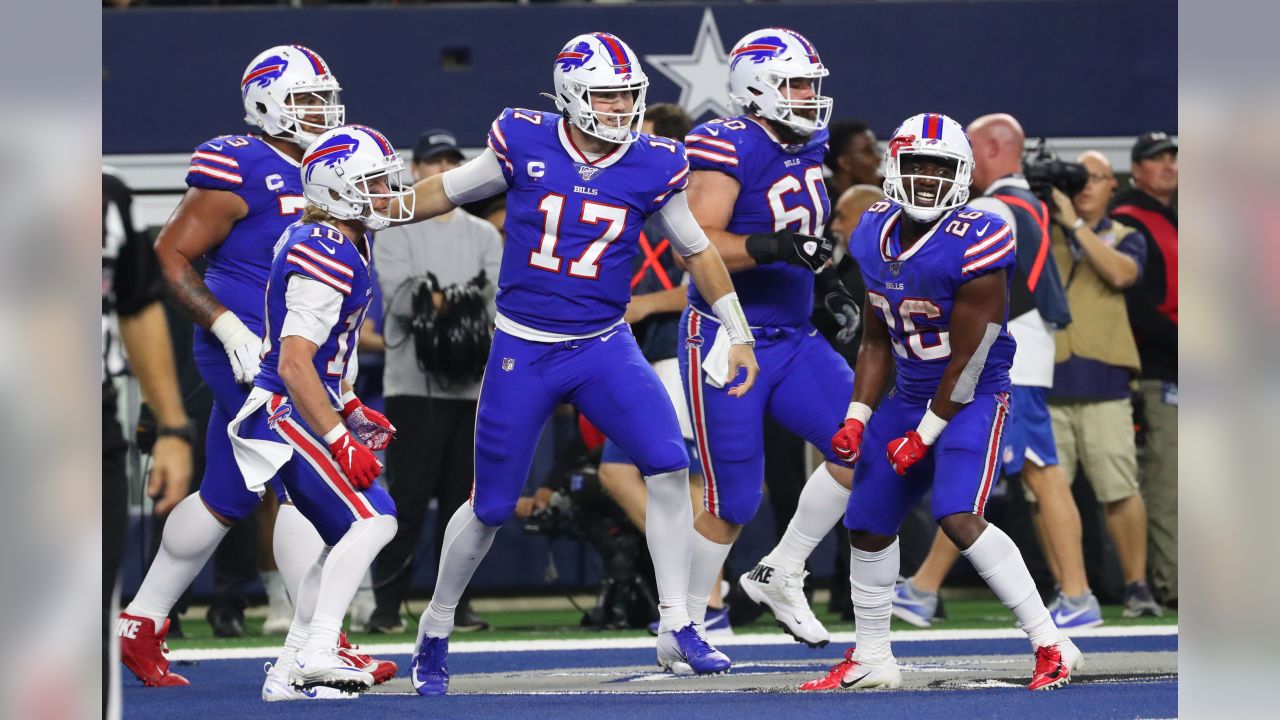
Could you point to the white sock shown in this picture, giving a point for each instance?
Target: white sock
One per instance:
(295, 544)
(466, 541)
(997, 560)
(669, 532)
(304, 609)
(871, 579)
(822, 504)
(343, 571)
(191, 534)
(704, 569)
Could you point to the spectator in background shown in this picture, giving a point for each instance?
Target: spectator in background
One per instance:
(1153, 314)
(134, 331)
(434, 453)
(1096, 360)
(852, 157)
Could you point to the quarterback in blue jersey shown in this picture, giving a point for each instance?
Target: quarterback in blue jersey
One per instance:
(757, 190)
(938, 274)
(243, 191)
(580, 184)
(301, 423)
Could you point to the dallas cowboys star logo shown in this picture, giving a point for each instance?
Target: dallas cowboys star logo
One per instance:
(703, 75)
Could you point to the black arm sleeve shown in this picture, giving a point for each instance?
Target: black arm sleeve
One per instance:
(137, 279)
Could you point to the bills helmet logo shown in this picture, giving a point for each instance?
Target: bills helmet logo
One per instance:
(333, 151)
(761, 49)
(587, 171)
(264, 73)
(574, 57)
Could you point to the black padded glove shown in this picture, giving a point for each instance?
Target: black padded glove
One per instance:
(840, 302)
(790, 246)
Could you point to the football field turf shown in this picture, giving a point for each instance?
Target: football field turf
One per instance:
(537, 664)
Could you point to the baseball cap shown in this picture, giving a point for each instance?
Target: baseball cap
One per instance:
(1151, 144)
(434, 143)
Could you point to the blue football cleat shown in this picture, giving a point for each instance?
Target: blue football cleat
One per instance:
(912, 605)
(1081, 612)
(430, 668)
(687, 652)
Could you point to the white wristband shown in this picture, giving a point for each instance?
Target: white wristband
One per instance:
(231, 332)
(338, 431)
(729, 312)
(930, 427)
(347, 397)
(858, 411)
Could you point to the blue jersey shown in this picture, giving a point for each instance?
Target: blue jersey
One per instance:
(573, 225)
(319, 252)
(915, 290)
(236, 271)
(780, 187)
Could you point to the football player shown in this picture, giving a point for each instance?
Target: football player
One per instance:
(938, 274)
(243, 191)
(580, 183)
(756, 188)
(302, 424)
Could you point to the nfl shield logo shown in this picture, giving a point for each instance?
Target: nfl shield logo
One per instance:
(895, 268)
(508, 364)
(587, 172)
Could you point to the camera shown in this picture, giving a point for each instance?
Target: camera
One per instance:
(1045, 171)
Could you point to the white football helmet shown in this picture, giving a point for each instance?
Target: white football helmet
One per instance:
(593, 63)
(759, 67)
(349, 168)
(937, 136)
(275, 90)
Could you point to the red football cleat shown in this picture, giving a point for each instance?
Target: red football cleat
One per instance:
(1054, 664)
(381, 670)
(834, 675)
(143, 651)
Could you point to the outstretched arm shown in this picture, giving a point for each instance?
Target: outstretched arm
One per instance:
(478, 179)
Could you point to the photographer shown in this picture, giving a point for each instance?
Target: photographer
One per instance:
(434, 414)
(1097, 359)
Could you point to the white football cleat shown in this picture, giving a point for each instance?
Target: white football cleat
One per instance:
(330, 669)
(276, 688)
(783, 593)
(862, 675)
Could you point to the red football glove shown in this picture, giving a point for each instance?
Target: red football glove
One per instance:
(368, 425)
(357, 461)
(847, 441)
(906, 451)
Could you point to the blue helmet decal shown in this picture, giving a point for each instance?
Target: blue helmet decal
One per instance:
(331, 152)
(572, 58)
(761, 49)
(264, 73)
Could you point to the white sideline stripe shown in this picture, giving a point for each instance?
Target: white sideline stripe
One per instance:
(478, 646)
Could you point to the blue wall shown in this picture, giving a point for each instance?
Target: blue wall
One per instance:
(1067, 68)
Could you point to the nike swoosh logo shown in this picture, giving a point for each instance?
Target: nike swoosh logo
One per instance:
(606, 337)
(311, 693)
(351, 455)
(328, 249)
(215, 147)
(815, 332)
(1068, 617)
(713, 131)
(855, 681)
(983, 231)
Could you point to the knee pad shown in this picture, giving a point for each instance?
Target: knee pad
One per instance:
(738, 510)
(664, 458)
